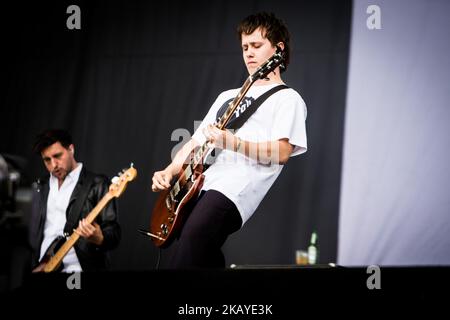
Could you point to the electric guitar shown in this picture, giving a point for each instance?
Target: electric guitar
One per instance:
(173, 204)
(58, 249)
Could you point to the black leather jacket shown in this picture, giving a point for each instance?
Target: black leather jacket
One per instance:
(91, 256)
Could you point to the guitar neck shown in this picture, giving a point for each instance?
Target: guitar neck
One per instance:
(222, 122)
(54, 262)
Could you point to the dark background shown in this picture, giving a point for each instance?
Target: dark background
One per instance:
(138, 70)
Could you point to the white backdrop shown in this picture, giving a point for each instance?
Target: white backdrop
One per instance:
(395, 193)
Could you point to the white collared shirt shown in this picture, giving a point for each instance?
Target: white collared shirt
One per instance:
(57, 202)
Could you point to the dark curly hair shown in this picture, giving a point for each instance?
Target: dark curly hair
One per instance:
(274, 29)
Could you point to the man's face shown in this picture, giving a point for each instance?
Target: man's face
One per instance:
(256, 49)
(58, 160)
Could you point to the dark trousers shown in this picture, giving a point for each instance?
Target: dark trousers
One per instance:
(213, 218)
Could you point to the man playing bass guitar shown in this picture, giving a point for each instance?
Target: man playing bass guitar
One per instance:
(61, 202)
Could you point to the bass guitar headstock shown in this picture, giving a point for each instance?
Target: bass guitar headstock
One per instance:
(119, 183)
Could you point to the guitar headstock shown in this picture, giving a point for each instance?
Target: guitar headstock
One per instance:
(119, 183)
(270, 65)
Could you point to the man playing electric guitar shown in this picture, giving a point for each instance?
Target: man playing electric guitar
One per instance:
(61, 202)
(249, 161)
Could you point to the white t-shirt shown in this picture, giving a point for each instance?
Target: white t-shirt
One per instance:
(240, 178)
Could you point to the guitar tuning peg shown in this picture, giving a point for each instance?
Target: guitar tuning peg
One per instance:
(131, 165)
(115, 179)
(123, 170)
(119, 173)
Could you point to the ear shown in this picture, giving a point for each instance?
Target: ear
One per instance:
(281, 45)
(71, 149)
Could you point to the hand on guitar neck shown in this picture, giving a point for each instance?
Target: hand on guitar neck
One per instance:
(91, 232)
(222, 139)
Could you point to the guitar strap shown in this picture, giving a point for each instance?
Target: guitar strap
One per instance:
(239, 122)
(73, 214)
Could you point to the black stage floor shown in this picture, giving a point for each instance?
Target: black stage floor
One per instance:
(244, 292)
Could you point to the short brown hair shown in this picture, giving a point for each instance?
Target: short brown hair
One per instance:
(275, 31)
